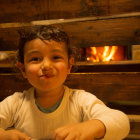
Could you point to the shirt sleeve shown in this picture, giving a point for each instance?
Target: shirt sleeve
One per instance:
(9, 108)
(115, 121)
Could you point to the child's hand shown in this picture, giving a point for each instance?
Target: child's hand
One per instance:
(13, 135)
(73, 132)
(81, 131)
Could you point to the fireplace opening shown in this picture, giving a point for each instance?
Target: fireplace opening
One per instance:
(109, 59)
(106, 54)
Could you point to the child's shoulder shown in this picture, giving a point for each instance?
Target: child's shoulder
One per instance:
(83, 98)
(19, 96)
(81, 94)
(13, 103)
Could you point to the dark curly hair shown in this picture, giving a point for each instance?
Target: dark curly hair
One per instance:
(43, 33)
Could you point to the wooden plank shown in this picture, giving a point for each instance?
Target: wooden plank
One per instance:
(106, 86)
(23, 10)
(9, 39)
(119, 32)
(135, 124)
(13, 83)
(134, 127)
(88, 33)
(129, 107)
(28, 10)
(112, 66)
(63, 21)
(80, 8)
(122, 6)
(77, 8)
(136, 52)
(132, 137)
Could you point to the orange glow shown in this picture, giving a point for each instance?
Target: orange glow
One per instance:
(104, 54)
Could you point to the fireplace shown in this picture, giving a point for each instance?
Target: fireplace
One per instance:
(108, 53)
(110, 59)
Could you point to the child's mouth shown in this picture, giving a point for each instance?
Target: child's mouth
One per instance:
(46, 76)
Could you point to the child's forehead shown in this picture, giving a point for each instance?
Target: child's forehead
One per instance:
(38, 43)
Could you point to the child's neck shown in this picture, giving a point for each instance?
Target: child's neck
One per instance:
(48, 99)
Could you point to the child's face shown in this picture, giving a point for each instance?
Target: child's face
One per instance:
(45, 64)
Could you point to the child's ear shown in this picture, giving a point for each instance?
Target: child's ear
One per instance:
(71, 62)
(21, 68)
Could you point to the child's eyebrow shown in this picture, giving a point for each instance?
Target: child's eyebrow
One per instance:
(58, 50)
(37, 52)
(31, 52)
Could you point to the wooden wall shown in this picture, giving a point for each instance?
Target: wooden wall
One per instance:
(29, 10)
(118, 86)
(112, 22)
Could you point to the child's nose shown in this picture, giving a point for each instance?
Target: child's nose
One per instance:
(46, 64)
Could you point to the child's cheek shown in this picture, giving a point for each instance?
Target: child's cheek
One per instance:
(32, 69)
(62, 66)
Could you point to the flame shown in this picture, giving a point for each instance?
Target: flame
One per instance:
(103, 54)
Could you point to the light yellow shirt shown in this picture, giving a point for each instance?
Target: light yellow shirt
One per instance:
(20, 111)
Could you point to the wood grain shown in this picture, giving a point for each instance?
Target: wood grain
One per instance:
(118, 32)
(28, 10)
(106, 86)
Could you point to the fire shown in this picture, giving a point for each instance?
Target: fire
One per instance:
(103, 54)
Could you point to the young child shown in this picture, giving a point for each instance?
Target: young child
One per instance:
(51, 110)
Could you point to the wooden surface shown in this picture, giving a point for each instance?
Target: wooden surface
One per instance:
(134, 124)
(28, 10)
(108, 30)
(106, 86)
(85, 34)
(109, 86)
(23, 10)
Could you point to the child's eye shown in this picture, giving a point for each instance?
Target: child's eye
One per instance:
(35, 59)
(57, 57)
